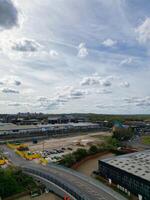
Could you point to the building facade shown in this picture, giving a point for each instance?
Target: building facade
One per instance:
(131, 173)
(9, 130)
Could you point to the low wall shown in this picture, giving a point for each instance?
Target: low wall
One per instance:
(52, 187)
(16, 196)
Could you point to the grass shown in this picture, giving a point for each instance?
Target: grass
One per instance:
(101, 137)
(146, 140)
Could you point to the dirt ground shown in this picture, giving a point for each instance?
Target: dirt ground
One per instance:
(73, 142)
(92, 165)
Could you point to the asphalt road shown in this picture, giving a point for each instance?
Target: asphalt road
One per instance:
(86, 186)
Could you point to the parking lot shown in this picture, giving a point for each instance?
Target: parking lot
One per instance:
(54, 154)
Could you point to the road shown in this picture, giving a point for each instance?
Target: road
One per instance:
(85, 186)
(136, 142)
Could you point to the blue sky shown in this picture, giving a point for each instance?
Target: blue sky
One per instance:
(67, 56)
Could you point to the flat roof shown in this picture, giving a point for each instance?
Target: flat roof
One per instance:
(11, 126)
(137, 163)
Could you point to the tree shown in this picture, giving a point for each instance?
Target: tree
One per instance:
(123, 134)
(68, 160)
(93, 149)
(13, 181)
(8, 184)
(80, 153)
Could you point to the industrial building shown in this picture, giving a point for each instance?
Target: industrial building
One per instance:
(130, 172)
(9, 130)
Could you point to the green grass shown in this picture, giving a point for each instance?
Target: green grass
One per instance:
(101, 137)
(146, 140)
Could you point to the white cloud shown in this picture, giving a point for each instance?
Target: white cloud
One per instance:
(25, 45)
(48, 103)
(68, 93)
(42, 98)
(131, 99)
(103, 106)
(8, 14)
(143, 31)
(41, 70)
(27, 49)
(17, 83)
(126, 61)
(11, 81)
(83, 51)
(14, 104)
(125, 84)
(109, 42)
(93, 80)
(96, 80)
(138, 101)
(65, 95)
(77, 93)
(81, 45)
(9, 90)
(105, 82)
(20, 104)
(104, 91)
(53, 54)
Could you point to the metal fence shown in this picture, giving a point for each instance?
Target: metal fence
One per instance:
(61, 183)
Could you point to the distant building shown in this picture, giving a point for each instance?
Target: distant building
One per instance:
(56, 120)
(9, 130)
(120, 127)
(130, 172)
(139, 126)
(62, 119)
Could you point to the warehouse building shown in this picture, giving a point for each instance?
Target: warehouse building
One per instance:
(130, 172)
(10, 130)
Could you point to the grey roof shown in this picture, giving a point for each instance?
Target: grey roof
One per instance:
(54, 118)
(10, 126)
(136, 163)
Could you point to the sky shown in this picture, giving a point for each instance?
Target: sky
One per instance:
(75, 56)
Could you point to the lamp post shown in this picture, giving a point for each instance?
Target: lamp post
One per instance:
(43, 144)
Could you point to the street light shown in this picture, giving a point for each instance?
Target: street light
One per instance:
(43, 144)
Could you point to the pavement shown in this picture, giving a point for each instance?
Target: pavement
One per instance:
(87, 187)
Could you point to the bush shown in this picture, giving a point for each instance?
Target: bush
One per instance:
(93, 150)
(13, 181)
(113, 143)
(79, 154)
(8, 184)
(68, 160)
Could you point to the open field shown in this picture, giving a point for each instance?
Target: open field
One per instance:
(146, 140)
(74, 141)
(53, 149)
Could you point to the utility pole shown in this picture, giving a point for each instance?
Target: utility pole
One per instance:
(43, 144)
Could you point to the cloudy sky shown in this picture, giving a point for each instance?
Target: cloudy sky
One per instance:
(62, 56)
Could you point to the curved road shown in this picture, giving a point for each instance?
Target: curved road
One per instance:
(85, 187)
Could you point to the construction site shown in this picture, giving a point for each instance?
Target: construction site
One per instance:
(52, 150)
